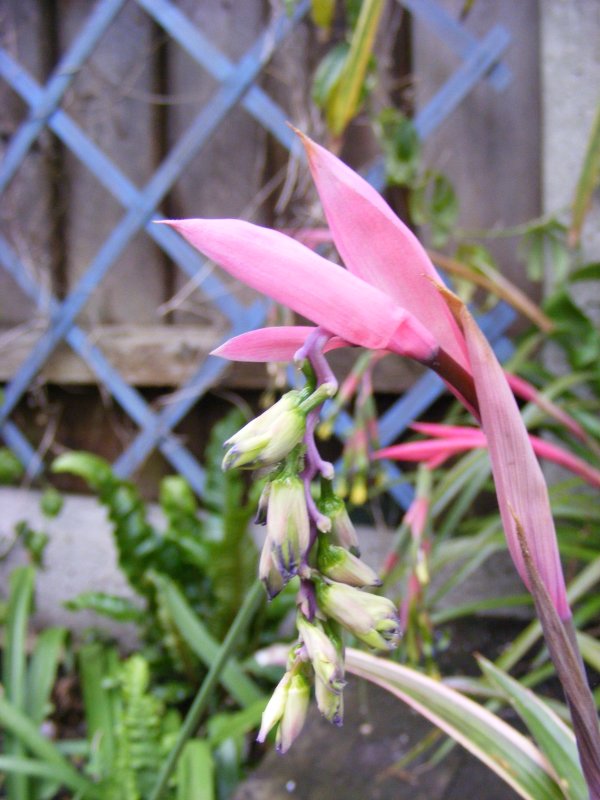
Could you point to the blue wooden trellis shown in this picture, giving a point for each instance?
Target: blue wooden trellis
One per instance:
(237, 85)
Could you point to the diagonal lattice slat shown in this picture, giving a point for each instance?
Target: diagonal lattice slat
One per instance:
(480, 60)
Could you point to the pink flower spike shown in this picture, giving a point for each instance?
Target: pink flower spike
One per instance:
(278, 343)
(428, 449)
(520, 485)
(416, 517)
(438, 429)
(325, 293)
(377, 247)
(446, 435)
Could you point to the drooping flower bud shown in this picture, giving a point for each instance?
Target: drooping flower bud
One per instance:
(372, 619)
(288, 526)
(340, 565)
(268, 571)
(275, 707)
(342, 529)
(330, 704)
(326, 660)
(294, 713)
(270, 437)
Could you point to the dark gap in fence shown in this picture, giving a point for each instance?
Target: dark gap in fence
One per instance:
(402, 94)
(160, 141)
(54, 158)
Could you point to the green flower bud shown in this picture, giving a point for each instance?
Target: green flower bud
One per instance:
(288, 526)
(372, 619)
(275, 708)
(326, 660)
(294, 714)
(340, 565)
(268, 572)
(342, 529)
(270, 437)
(330, 704)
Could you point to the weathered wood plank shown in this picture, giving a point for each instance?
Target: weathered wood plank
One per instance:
(224, 177)
(167, 355)
(26, 217)
(112, 101)
(490, 146)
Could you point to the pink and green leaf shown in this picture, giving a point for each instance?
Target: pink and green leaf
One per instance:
(508, 753)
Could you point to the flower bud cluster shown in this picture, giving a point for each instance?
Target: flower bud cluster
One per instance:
(314, 541)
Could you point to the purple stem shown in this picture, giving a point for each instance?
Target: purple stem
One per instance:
(306, 599)
(312, 349)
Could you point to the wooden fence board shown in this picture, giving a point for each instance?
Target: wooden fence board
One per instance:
(25, 217)
(111, 101)
(166, 355)
(490, 146)
(229, 170)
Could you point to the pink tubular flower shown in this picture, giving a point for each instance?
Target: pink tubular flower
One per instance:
(331, 296)
(386, 299)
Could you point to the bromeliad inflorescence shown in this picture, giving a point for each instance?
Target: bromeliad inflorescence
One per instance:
(311, 538)
(390, 299)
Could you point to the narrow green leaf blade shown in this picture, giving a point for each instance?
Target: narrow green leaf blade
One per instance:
(512, 757)
(233, 678)
(555, 739)
(19, 726)
(14, 665)
(42, 671)
(195, 772)
(588, 181)
(97, 664)
(346, 95)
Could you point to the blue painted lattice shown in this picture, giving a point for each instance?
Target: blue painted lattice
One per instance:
(237, 86)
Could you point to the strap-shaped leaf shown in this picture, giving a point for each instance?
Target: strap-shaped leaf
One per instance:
(555, 739)
(508, 753)
(18, 725)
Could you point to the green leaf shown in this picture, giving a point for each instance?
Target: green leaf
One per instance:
(22, 728)
(196, 772)
(321, 12)
(434, 202)
(42, 769)
(93, 469)
(51, 502)
(555, 739)
(99, 670)
(346, 96)
(41, 674)
(590, 650)
(588, 181)
(574, 331)
(509, 754)
(11, 469)
(236, 724)
(121, 609)
(328, 74)
(401, 146)
(589, 272)
(14, 665)
(237, 683)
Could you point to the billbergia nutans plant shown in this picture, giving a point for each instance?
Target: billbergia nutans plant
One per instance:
(389, 298)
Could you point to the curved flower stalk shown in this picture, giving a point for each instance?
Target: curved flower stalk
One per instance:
(390, 298)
